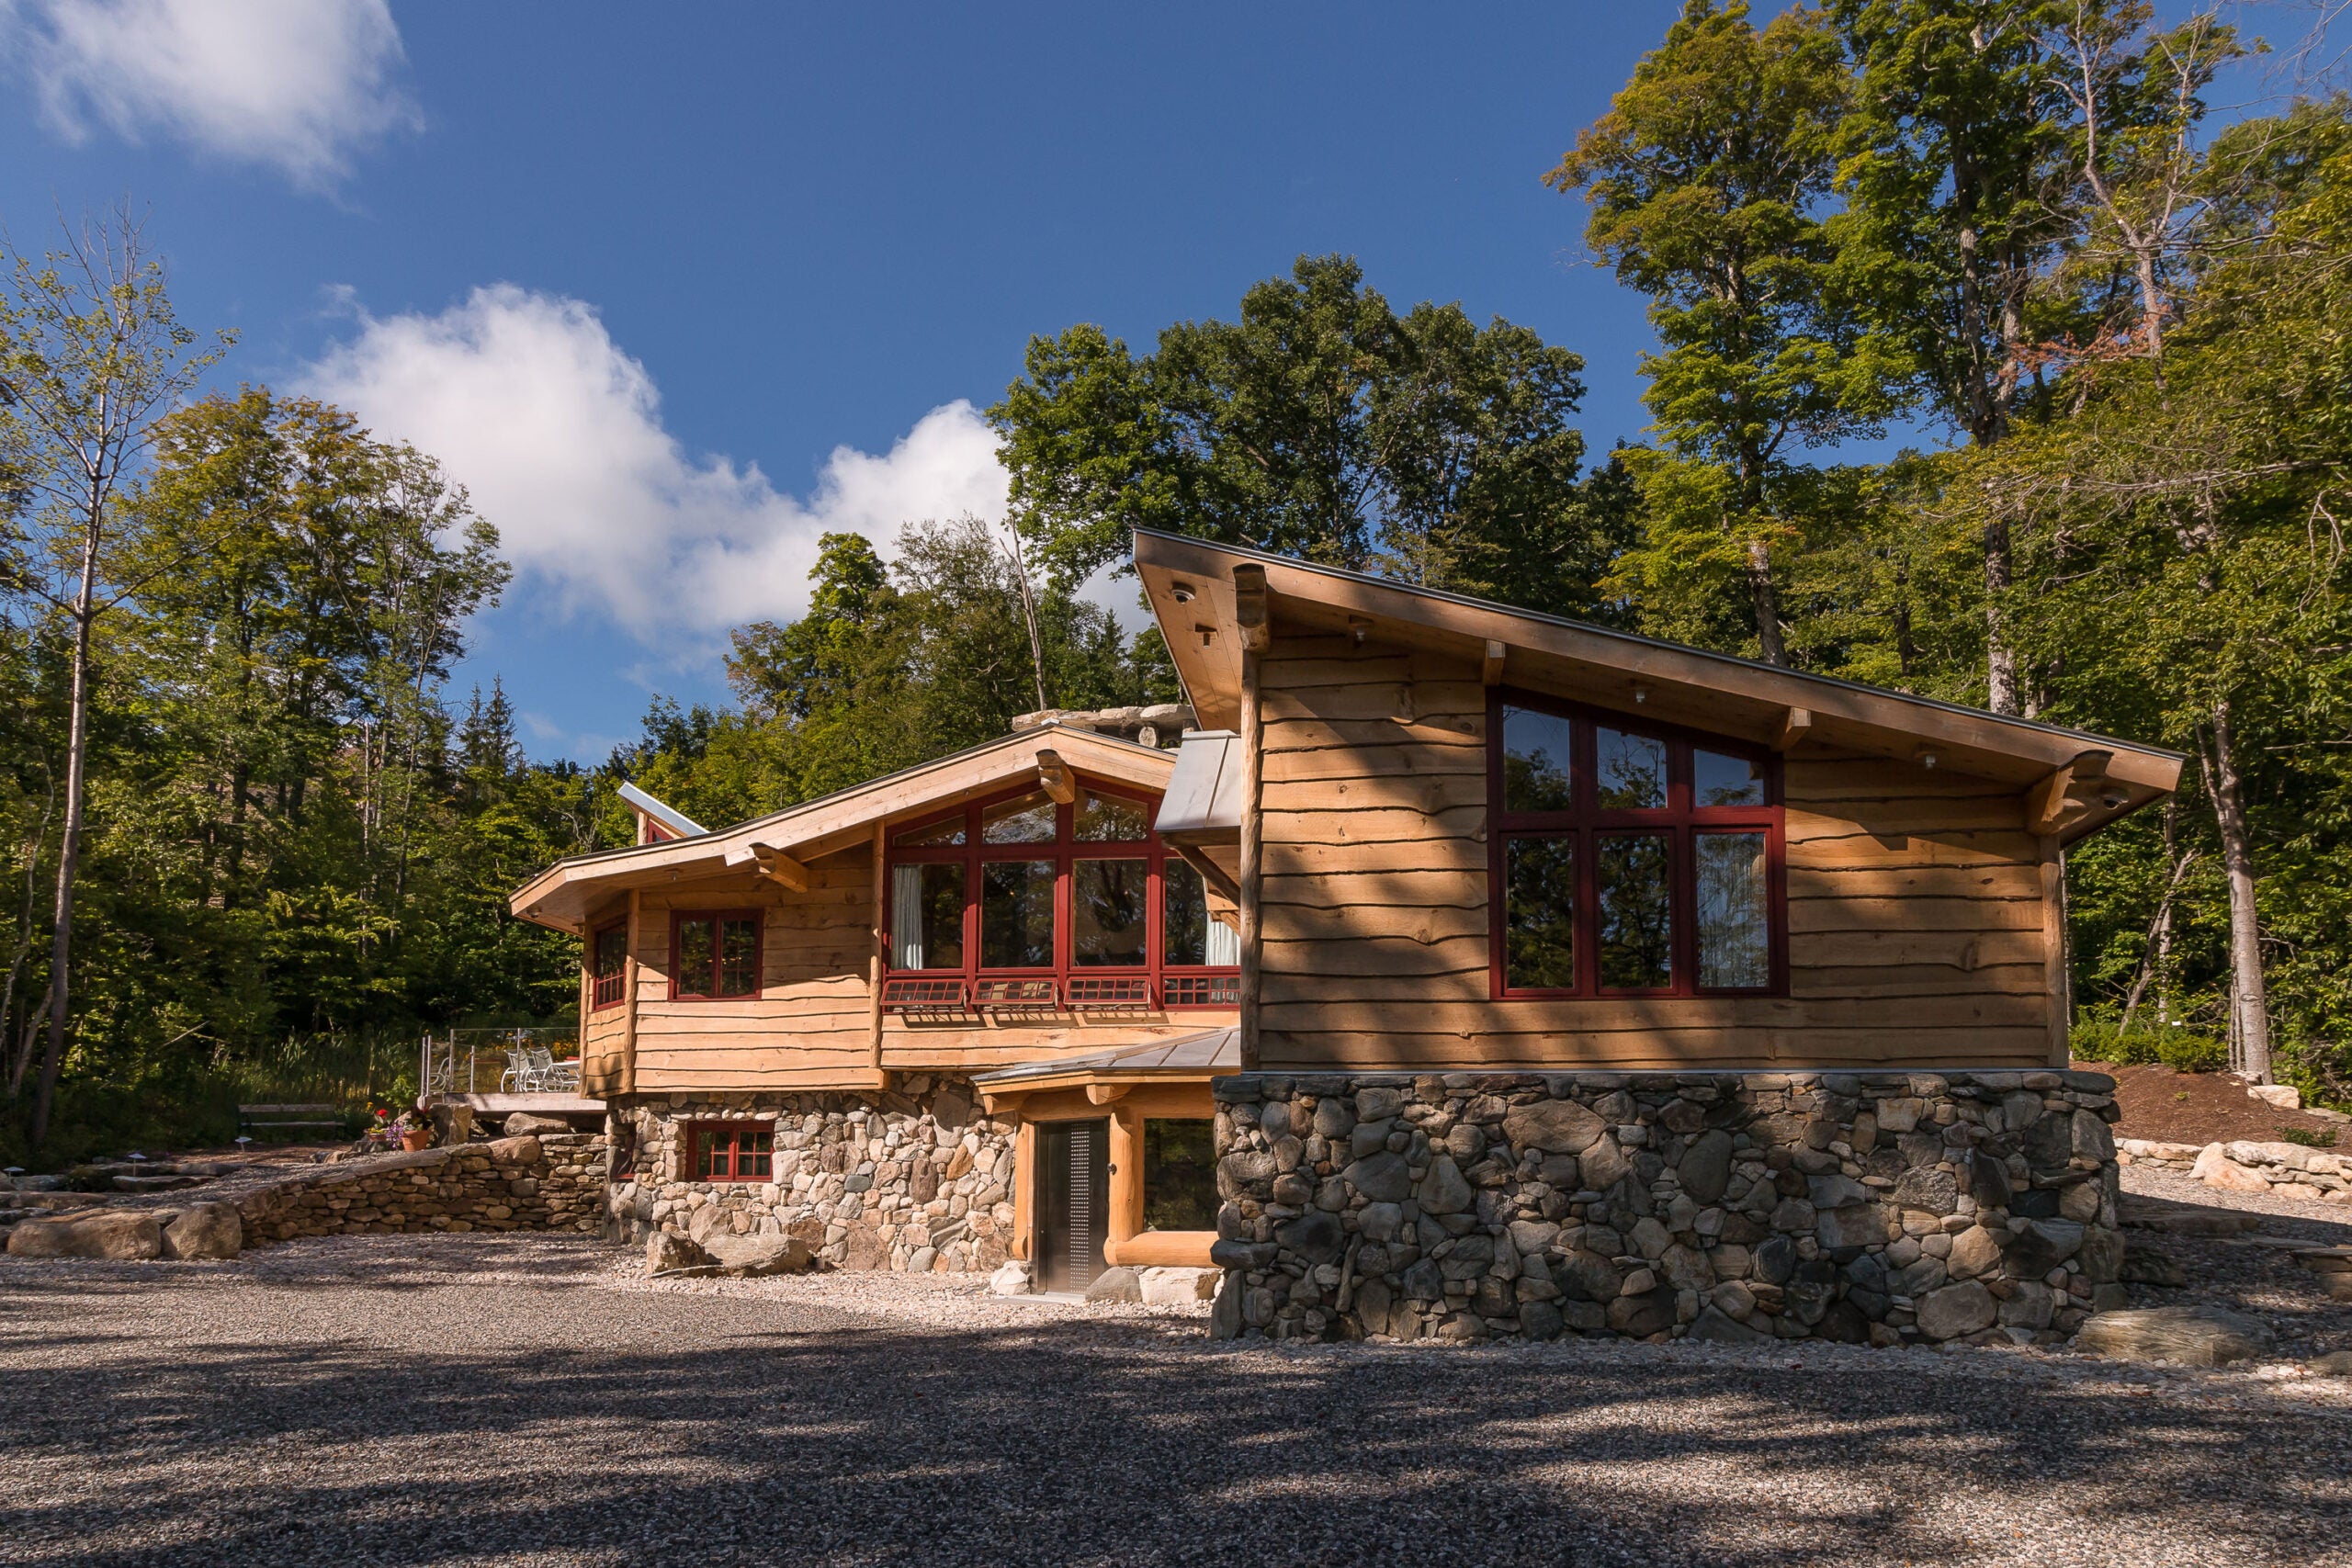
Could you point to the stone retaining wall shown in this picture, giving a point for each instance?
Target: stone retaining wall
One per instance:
(549, 1182)
(2283, 1170)
(919, 1181)
(1878, 1207)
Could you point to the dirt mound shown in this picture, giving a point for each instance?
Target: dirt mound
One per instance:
(2203, 1108)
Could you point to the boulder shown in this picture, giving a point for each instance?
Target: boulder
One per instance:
(1714, 1326)
(1604, 1164)
(2286, 1096)
(1179, 1287)
(2198, 1336)
(452, 1125)
(1442, 1190)
(526, 1124)
(1706, 1167)
(1956, 1309)
(515, 1151)
(1315, 1235)
(1554, 1126)
(1973, 1251)
(1012, 1280)
(1225, 1315)
(206, 1230)
(666, 1254)
(1382, 1178)
(111, 1233)
(2215, 1168)
(2335, 1364)
(750, 1256)
(1115, 1285)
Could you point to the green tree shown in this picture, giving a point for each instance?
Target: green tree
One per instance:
(91, 355)
(1321, 423)
(1708, 182)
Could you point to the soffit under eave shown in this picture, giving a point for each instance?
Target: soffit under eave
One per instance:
(561, 896)
(1679, 686)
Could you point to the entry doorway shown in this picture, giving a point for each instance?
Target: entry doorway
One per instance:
(1073, 1202)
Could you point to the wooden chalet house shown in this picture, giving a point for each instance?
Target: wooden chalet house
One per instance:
(973, 1010)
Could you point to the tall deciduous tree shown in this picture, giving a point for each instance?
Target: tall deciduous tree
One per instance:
(1319, 423)
(1958, 183)
(91, 356)
(1708, 181)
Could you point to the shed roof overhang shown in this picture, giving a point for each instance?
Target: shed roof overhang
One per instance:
(563, 895)
(1203, 593)
(1188, 1058)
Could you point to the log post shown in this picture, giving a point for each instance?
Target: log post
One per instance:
(874, 958)
(1252, 613)
(628, 993)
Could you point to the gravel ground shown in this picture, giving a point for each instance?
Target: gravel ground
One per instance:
(522, 1400)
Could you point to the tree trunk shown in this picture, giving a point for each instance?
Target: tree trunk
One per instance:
(2249, 1001)
(1768, 604)
(2000, 660)
(69, 848)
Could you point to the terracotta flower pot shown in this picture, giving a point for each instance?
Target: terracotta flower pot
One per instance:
(417, 1138)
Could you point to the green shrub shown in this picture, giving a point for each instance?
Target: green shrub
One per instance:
(2183, 1050)
(2308, 1138)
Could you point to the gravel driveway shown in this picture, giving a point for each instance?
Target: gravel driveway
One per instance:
(457, 1400)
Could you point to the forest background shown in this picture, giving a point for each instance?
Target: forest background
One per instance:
(281, 846)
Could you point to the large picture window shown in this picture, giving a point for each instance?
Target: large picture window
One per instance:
(715, 956)
(1077, 898)
(1631, 859)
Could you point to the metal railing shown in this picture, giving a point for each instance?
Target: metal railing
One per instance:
(481, 1061)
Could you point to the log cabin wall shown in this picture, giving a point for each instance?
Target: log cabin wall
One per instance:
(1918, 931)
(810, 1026)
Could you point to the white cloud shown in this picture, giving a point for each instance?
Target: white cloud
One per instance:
(294, 84)
(527, 401)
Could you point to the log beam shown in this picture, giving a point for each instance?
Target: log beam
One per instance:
(1225, 887)
(1054, 777)
(1104, 1093)
(1249, 612)
(1795, 725)
(1490, 671)
(2047, 806)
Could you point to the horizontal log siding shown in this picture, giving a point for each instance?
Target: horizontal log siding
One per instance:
(811, 1026)
(1915, 900)
(807, 1029)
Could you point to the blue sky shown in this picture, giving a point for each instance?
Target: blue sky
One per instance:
(675, 289)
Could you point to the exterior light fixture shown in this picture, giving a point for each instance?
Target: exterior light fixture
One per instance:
(1181, 592)
(1641, 695)
(2112, 798)
(1926, 759)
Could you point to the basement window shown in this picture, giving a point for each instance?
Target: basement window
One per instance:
(732, 1151)
(1178, 1175)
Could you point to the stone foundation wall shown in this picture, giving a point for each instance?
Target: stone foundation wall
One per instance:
(920, 1181)
(550, 1182)
(1876, 1207)
(2283, 1170)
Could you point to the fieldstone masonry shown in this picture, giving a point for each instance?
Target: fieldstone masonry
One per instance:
(1885, 1208)
(550, 1182)
(919, 1181)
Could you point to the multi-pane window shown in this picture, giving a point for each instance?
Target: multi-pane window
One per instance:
(732, 1151)
(1021, 887)
(715, 956)
(608, 965)
(1630, 859)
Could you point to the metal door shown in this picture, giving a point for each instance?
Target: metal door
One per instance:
(1073, 1202)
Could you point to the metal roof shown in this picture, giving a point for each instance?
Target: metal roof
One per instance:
(1204, 798)
(1211, 1051)
(661, 811)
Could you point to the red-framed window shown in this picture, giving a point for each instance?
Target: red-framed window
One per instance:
(730, 1151)
(1631, 859)
(1016, 886)
(714, 954)
(608, 964)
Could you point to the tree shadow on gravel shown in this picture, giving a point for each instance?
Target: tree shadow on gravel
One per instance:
(638, 1426)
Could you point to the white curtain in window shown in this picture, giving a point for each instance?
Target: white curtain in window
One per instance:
(1225, 944)
(906, 917)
